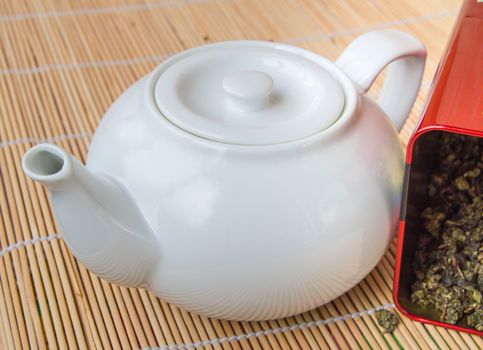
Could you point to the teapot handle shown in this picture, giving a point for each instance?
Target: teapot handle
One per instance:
(365, 58)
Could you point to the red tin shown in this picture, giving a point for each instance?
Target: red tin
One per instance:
(455, 105)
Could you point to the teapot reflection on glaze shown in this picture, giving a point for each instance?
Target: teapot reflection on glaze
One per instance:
(242, 180)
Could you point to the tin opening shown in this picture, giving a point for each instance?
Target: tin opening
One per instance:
(424, 160)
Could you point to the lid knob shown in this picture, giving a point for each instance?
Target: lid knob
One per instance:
(248, 90)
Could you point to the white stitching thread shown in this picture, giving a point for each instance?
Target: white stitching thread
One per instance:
(217, 341)
(385, 25)
(20, 244)
(157, 58)
(98, 10)
(80, 65)
(273, 331)
(19, 141)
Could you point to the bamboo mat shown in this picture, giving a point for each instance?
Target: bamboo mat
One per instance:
(62, 63)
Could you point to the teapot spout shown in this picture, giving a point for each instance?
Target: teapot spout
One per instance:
(99, 219)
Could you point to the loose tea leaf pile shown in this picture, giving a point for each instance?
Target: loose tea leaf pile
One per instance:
(386, 320)
(449, 256)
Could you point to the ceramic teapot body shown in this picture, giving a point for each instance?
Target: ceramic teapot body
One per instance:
(232, 230)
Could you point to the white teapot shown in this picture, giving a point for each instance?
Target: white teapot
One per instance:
(242, 180)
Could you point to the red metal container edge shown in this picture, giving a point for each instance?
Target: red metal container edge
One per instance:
(458, 65)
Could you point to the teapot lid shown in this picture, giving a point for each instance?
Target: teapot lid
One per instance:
(249, 93)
